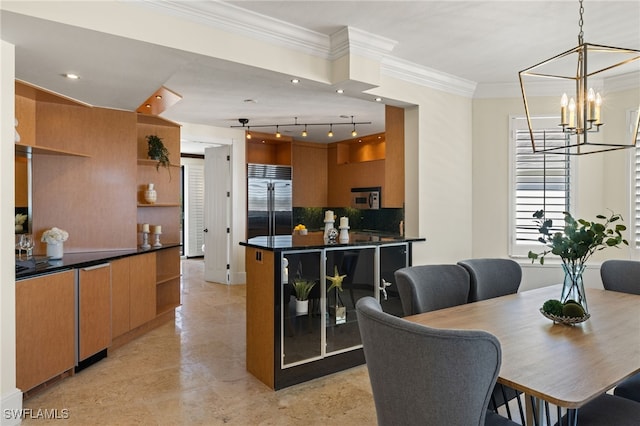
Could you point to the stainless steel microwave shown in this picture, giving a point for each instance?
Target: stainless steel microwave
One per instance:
(366, 198)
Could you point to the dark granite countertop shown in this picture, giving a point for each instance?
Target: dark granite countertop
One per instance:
(39, 265)
(315, 240)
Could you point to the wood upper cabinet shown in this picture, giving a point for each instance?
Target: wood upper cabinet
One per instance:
(393, 188)
(310, 174)
(45, 328)
(265, 148)
(94, 310)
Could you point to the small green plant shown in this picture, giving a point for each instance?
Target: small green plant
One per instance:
(302, 288)
(579, 238)
(157, 151)
(553, 307)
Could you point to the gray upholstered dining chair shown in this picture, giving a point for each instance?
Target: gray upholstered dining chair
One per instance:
(492, 277)
(495, 277)
(425, 288)
(623, 276)
(605, 410)
(426, 376)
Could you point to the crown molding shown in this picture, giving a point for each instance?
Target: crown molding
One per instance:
(236, 20)
(424, 76)
(359, 42)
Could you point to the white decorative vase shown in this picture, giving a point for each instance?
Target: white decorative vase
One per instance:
(302, 307)
(55, 251)
(150, 195)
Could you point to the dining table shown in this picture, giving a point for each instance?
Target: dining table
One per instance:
(554, 363)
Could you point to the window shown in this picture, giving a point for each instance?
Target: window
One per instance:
(538, 181)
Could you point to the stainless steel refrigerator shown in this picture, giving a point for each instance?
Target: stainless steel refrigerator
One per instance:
(269, 202)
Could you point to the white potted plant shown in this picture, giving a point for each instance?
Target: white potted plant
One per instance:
(302, 288)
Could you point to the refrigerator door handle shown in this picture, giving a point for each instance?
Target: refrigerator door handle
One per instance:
(271, 208)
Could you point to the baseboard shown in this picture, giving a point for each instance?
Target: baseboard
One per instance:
(11, 408)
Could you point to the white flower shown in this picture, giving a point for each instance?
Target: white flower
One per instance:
(21, 219)
(54, 236)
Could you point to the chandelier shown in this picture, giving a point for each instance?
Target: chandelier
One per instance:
(244, 123)
(594, 83)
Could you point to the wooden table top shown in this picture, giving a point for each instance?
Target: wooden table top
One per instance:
(564, 365)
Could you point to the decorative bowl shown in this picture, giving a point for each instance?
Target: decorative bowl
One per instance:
(565, 320)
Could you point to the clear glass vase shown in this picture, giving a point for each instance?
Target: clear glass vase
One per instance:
(573, 286)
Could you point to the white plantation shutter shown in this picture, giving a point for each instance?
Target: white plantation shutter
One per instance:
(194, 208)
(540, 181)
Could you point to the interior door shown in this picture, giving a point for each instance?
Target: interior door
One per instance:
(217, 213)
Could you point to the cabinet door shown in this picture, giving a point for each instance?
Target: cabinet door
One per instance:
(142, 289)
(120, 296)
(45, 328)
(392, 258)
(94, 310)
(357, 267)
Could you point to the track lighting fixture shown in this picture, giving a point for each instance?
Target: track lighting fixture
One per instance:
(244, 124)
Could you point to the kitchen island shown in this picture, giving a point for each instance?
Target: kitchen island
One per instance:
(287, 345)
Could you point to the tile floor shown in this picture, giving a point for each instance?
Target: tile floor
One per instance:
(192, 372)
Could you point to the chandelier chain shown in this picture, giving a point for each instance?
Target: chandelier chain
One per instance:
(580, 23)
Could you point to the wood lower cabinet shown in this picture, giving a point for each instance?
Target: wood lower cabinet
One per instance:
(45, 328)
(133, 292)
(167, 280)
(94, 310)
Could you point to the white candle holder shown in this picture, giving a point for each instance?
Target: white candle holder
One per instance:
(145, 241)
(157, 239)
(344, 235)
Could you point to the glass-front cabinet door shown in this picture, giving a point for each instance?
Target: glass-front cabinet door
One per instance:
(319, 291)
(350, 276)
(392, 258)
(302, 320)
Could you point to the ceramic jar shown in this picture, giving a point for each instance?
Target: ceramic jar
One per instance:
(150, 195)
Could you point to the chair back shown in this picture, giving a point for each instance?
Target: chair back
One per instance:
(621, 275)
(424, 288)
(425, 376)
(492, 277)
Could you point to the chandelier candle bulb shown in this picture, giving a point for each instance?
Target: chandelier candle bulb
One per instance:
(596, 115)
(591, 98)
(564, 101)
(572, 113)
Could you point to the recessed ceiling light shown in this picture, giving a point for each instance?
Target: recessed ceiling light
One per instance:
(295, 81)
(158, 97)
(378, 99)
(250, 101)
(340, 91)
(72, 76)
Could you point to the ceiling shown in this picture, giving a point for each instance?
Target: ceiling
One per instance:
(479, 43)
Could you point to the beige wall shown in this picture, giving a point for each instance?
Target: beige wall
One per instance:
(10, 397)
(602, 182)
